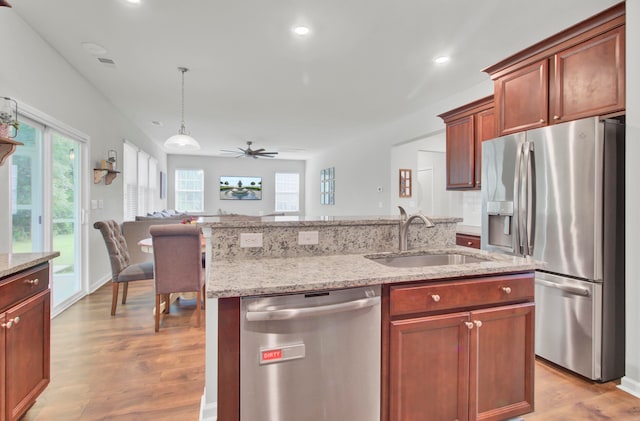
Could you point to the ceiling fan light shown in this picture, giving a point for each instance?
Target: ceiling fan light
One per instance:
(182, 141)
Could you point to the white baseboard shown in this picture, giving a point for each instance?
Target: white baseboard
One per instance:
(98, 283)
(630, 386)
(208, 412)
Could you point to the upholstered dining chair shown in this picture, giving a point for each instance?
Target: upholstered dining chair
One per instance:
(177, 256)
(121, 269)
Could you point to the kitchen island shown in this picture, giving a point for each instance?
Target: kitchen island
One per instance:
(345, 258)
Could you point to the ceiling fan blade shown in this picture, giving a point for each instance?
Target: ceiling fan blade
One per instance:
(259, 150)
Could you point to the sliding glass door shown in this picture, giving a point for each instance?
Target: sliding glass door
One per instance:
(46, 206)
(65, 218)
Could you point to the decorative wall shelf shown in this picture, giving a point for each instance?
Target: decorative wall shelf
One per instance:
(7, 147)
(108, 175)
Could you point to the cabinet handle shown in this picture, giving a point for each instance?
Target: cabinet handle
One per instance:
(11, 322)
(478, 323)
(469, 243)
(33, 282)
(506, 290)
(556, 117)
(435, 297)
(541, 120)
(469, 325)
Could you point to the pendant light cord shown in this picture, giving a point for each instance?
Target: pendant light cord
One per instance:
(182, 128)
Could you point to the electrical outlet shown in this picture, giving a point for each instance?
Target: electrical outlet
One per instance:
(250, 239)
(307, 237)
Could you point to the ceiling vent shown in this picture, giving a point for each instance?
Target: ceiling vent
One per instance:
(107, 61)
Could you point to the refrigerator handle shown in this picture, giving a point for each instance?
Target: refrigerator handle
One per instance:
(519, 210)
(531, 199)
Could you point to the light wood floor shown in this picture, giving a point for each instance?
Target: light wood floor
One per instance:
(117, 368)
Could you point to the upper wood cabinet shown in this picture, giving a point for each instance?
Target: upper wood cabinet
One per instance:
(467, 127)
(577, 73)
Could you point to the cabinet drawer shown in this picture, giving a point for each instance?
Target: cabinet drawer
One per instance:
(20, 286)
(461, 294)
(468, 240)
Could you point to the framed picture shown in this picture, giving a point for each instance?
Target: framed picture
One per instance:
(163, 184)
(405, 186)
(327, 186)
(240, 188)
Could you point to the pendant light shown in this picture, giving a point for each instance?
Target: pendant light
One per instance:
(182, 140)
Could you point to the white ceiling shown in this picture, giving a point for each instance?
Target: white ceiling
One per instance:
(365, 64)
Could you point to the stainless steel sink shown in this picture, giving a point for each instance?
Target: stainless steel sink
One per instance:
(417, 260)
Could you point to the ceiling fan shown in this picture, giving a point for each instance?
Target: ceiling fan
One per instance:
(252, 153)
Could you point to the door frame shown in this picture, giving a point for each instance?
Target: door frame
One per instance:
(84, 175)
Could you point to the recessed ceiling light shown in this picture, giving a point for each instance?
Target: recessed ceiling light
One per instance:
(94, 49)
(441, 59)
(301, 30)
(133, 1)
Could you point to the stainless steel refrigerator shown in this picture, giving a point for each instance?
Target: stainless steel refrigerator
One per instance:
(557, 194)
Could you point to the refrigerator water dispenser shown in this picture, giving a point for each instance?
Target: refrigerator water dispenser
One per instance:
(500, 216)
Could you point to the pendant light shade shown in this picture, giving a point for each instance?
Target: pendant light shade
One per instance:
(182, 140)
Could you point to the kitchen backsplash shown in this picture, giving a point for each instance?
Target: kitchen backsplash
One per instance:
(335, 237)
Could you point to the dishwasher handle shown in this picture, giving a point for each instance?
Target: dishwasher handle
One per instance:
(298, 313)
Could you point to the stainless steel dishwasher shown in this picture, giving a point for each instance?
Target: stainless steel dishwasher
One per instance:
(312, 356)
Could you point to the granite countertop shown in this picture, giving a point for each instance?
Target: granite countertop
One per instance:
(302, 221)
(468, 229)
(11, 263)
(263, 276)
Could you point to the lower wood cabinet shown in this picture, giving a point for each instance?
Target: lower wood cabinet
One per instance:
(24, 341)
(468, 240)
(465, 363)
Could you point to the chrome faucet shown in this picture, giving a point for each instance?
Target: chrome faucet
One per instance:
(404, 225)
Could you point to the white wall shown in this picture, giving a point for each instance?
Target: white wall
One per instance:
(631, 382)
(362, 165)
(35, 75)
(214, 167)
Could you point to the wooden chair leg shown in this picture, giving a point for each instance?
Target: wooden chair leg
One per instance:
(167, 300)
(204, 298)
(198, 307)
(157, 312)
(125, 289)
(114, 298)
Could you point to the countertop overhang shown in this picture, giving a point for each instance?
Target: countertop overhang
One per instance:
(11, 263)
(267, 276)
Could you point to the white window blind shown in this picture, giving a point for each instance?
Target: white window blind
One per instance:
(130, 180)
(287, 192)
(189, 189)
(143, 183)
(154, 194)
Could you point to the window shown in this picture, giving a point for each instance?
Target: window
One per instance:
(190, 190)
(287, 192)
(140, 175)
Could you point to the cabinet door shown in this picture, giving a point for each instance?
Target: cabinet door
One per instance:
(485, 130)
(589, 79)
(429, 368)
(460, 153)
(501, 382)
(3, 385)
(522, 98)
(27, 353)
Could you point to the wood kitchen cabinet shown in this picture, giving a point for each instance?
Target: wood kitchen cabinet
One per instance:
(467, 127)
(468, 240)
(461, 349)
(24, 340)
(577, 73)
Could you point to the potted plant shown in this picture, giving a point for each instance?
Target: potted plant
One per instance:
(9, 118)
